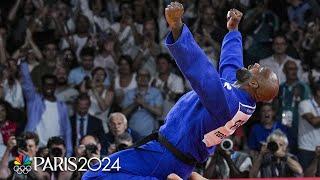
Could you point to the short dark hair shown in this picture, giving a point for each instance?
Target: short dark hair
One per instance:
(95, 70)
(30, 135)
(164, 56)
(103, 4)
(87, 51)
(122, 3)
(126, 58)
(94, 137)
(280, 34)
(55, 140)
(48, 76)
(83, 96)
(124, 137)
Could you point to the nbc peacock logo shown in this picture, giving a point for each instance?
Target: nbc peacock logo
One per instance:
(22, 164)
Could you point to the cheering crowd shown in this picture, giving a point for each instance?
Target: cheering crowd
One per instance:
(87, 78)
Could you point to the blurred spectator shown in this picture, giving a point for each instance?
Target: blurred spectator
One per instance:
(313, 75)
(89, 147)
(64, 23)
(68, 59)
(11, 86)
(277, 61)
(29, 49)
(274, 159)
(109, 55)
(65, 92)
(7, 127)
(83, 123)
(20, 16)
(260, 23)
(226, 163)
(170, 85)
(46, 116)
(314, 168)
(260, 131)
(80, 38)
(291, 93)
(210, 46)
(149, 49)
(27, 145)
(297, 11)
(207, 23)
(56, 148)
(82, 74)
(47, 65)
(125, 80)
(123, 141)
(312, 36)
(309, 131)
(101, 97)
(93, 10)
(118, 125)
(123, 30)
(143, 105)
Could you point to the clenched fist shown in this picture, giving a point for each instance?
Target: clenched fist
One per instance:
(234, 16)
(174, 13)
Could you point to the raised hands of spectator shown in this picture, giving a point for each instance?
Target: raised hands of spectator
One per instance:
(112, 149)
(264, 149)
(12, 142)
(139, 100)
(80, 150)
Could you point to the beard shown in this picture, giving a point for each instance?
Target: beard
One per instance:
(243, 75)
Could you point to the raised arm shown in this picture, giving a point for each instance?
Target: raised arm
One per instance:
(231, 58)
(28, 88)
(194, 63)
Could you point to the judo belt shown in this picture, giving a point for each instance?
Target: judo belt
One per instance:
(163, 141)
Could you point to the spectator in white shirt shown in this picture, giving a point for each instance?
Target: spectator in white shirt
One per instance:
(309, 131)
(314, 73)
(109, 55)
(80, 38)
(170, 84)
(93, 11)
(279, 58)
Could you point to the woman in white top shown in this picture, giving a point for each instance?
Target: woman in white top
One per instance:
(101, 97)
(125, 80)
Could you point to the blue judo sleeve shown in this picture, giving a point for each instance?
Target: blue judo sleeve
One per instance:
(197, 68)
(231, 58)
